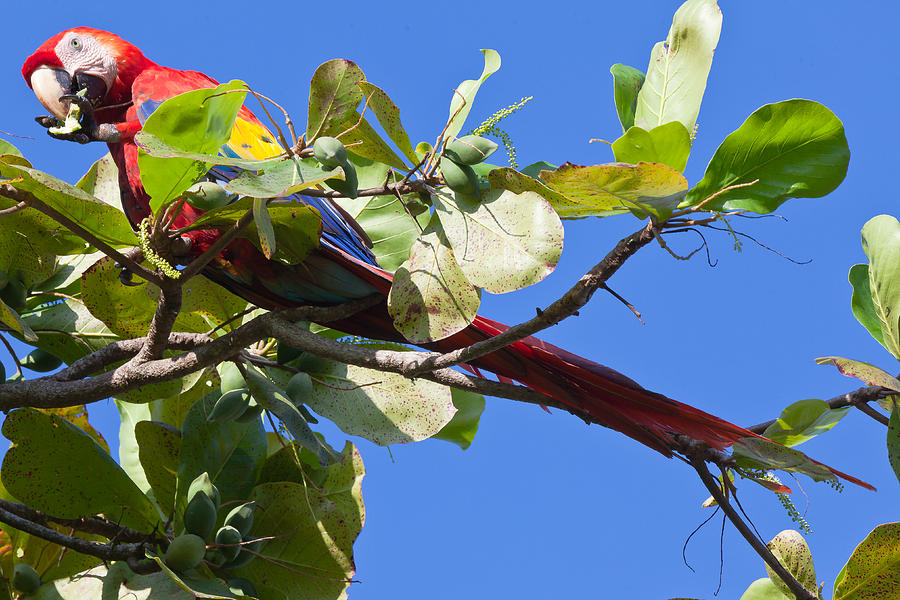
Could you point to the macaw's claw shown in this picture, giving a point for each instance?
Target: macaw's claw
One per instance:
(47, 121)
(80, 125)
(125, 277)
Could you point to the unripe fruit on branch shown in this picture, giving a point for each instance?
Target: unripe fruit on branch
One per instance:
(185, 552)
(26, 579)
(470, 149)
(330, 152)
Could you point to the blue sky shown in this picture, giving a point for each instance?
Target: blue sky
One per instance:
(543, 506)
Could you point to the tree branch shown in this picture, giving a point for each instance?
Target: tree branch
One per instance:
(699, 464)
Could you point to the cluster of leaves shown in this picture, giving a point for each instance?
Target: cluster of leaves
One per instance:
(444, 244)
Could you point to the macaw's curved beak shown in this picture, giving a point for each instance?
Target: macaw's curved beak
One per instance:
(52, 84)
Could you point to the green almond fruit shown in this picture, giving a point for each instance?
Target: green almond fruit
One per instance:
(330, 152)
(459, 178)
(202, 483)
(231, 378)
(185, 552)
(207, 195)
(14, 294)
(299, 387)
(229, 538)
(239, 585)
(470, 149)
(349, 186)
(200, 516)
(229, 406)
(26, 579)
(40, 361)
(241, 517)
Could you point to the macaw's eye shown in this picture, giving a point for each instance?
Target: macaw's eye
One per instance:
(75, 43)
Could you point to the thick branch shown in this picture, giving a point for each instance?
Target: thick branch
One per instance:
(167, 309)
(699, 464)
(569, 304)
(31, 200)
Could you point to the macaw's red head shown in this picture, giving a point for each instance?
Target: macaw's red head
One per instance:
(88, 59)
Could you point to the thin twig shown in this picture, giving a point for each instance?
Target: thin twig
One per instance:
(12, 353)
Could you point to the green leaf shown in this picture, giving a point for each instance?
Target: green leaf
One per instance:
(861, 302)
(66, 277)
(334, 96)
(119, 583)
(281, 179)
(196, 121)
(14, 322)
(627, 82)
(232, 453)
(762, 453)
(669, 144)
(431, 299)
(764, 589)
(465, 93)
(273, 399)
(68, 330)
(102, 181)
(101, 220)
(127, 311)
(503, 243)
(313, 529)
(802, 421)
(881, 243)
(159, 447)
(389, 117)
(463, 426)
(8, 148)
(264, 227)
(893, 440)
(384, 408)
(676, 75)
(154, 146)
(602, 190)
(196, 585)
(870, 374)
(296, 225)
(38, 471)
(795, 149)
(874, 567)
(793, 553)
(507, 178)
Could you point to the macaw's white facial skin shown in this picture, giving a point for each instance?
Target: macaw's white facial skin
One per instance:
(81, 55)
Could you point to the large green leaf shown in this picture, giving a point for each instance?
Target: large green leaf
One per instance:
(870, 374)
(762, 453)
(154, 146)
(463, 426)
(507, 178)
(38, 471)
(861, 302)
(802, 421)
(196, 121)
(334, 96)
(793, 553)
(627, 82)
(795, 149)
(669, 144)
(102, 181)
(68, 330)
(101, 220)
(389, 117)
(465, 93)
(384, 408)
(873, 571)
(281, 179)
(676, 76)
(893, 440)
(127, 311)
(8, 148)
(602, 190)
(159, 447)
(232, 453)
(13, 321)
(431, 299)
(881, 243)
(503, 243)
(311, 554)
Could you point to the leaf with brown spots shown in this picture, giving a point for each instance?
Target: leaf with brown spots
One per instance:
(873, 571)
(793, 553)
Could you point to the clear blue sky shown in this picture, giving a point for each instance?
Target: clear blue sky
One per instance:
(543, 506)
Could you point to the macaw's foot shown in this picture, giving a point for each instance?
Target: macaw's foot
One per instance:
(126, 277)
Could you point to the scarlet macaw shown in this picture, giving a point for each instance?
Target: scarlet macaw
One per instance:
(125, 87)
